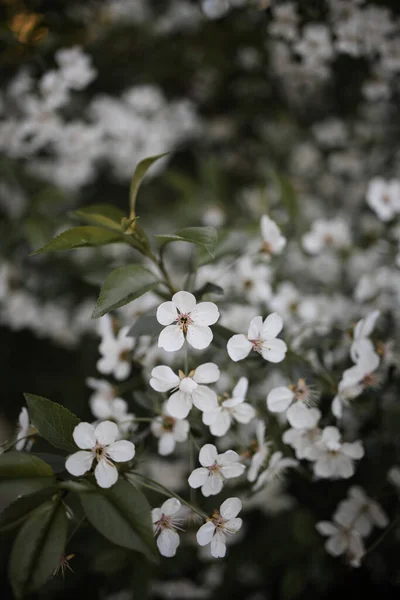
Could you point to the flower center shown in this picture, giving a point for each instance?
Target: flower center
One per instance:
(99, 451)
(124, 356)
(267, 248)
(214, 469)
(164, 522)
(168, 423)
(257, 345)
(184, 320)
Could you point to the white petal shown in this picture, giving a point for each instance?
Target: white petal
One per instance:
(156, 514)
(205, 533)
(255, 328)
(198, 336)
(163, 379)
(232, 470)
(122, 370)
(121, 451)
(79, 463)
(166, 444)
(218, 545)
(198, 477)
(230, 508)
(171, 338)
(179, 405)
(299, 416)
(170, 506)
(168, 542)
(378, 515)
(238, 347)
(220, 424)
(233, 525)
(240, 389)
(336, 545)
(207, 373)
(208, 455)
(210, 417)
(106, 473)
(166, 313)
(243, 413)
(326, 528)
(181, 430)
(324, 467)
(185, 302)
(272, 326)
(228, 457)
(279, 399)
(106, 433)
(353, 450)
(205, 399)
(84, 436)
(212, 486)
(100, 407)
(336, 407)
(274, 350)
(205, 313)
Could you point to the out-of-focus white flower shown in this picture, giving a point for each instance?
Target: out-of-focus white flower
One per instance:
(25, 429)
(325, 233)
(260, 451)
(303, 440)
(296, 400)
(165, 525)
(232, 409)
(99, 443)
(315, 46)
(189, 388)
(361, 511)
(106, 406)
(285, 21)
(334, 459)
(252, 280)
(75, 67)
(215, 469)
(221, 524)
(183, 317)
(261, 338)
(384, 197)
(115, 350)
(342, 539)
(273, 241)
(169, 431)
(277, 465)
(362, 331)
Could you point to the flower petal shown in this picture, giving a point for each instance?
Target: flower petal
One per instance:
(170, 506)
(300, 417)
(106, 473)
(185, 302)
(163, 379)
(171, 338)
(208, 455)
(181, 430)
(166, 313)
(198, 477)
(221, 423)
(240, 389)
(274, 350)
(326, 528)
(336, 545)
(84, 436)
(166, 444)
(207, 373)
(213, 485)
(272, 326)
(230, 508)
(243, 413)
(353, 450)
(238, 347)
(218, 545)
(198, 336)
(205, 533)
(255, 328)
(205, 313)
(179, 405)
(121, 451)
(279, 399)
(232, 470)
(168, 542)
(204, 399)
(233, 525)
(79, 463)
(106, 433)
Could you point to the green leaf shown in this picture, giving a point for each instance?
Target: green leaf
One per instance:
(22, 465)
(18, 511)
(122, 515)
(38, 548)
(105, 215)
(138, 176)
(205, 237)
(80, 237)
(145, 325)
(122, 286)
(54, 422)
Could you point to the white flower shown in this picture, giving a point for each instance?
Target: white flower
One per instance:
(326, 233)
(252, 280)
(106, 406)
(342, 539)
(115, 350)
(303, 440)
(276, 467)
(99, 443)
(75, 67)
(295, 400)
(261, 338)
(222, 523)
(232, 409)
(215, 469)
(362, 331)
(189, 388)
(315, 46)
(165, 525)
(260, 452)
(25, 429)
(361, 511)
(384, 197)
(184, 317)
(394, 477)
(273, 240)
(169, 430)
(334, 458)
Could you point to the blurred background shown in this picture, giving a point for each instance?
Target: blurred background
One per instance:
(286, 108)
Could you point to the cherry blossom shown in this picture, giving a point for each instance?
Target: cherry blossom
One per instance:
(215, 469)
(231, 409)
(384, 197)
(259, 450)
(99, 443)
(326, 233)
(277, 465)
(188, 389)
(165, 525)
(106, 406)
(342, 539)
(294, 399)
(169, 431)
(334, 459)
(303, 440)
(261, 338)
(273, 241)
(183, 317)
(363, 329)
(361, 511)
(220, 525)
(115, 350)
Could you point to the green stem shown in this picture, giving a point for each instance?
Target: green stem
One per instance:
(383, 535)
(75, 530)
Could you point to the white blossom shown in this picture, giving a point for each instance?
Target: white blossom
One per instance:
(277, 465)
(188, 389)
(334, 459)
(165, 525)
(169, 431)
(303, 440)
(220, 418)
(116, 350)
(105, 405)
(384, 197)
(260, 451)
(215, 469)
(99, 444)
(361, 511)
(295, 400)
(184, 317)
(219, 525)
(273, 241)
(261, 338)
(342, 539)
(325, 233)
(362, 331)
